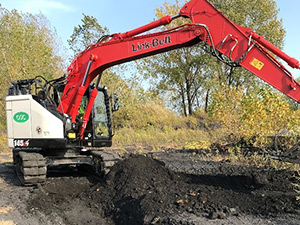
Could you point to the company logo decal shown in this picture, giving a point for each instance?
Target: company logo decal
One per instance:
(156, 42)
(21, 117)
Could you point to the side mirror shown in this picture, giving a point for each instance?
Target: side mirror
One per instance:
(115, 103)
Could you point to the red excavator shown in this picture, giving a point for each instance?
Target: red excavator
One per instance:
(66, 121)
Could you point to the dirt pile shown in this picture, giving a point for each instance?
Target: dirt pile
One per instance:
(141, 190)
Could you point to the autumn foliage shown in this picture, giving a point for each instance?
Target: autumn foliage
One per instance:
(254, 115)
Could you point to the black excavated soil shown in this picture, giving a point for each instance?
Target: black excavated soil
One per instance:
(142, 190)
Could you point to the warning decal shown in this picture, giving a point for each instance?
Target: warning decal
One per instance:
(257, 64)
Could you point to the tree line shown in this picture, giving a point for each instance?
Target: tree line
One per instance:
(28, 47)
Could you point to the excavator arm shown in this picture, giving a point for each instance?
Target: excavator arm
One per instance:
(230, 43)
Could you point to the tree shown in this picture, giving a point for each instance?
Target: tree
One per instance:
(179, 72)
(27, 49)
(186, 73)
(90, 31)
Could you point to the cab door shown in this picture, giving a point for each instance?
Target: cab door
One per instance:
(101, 120)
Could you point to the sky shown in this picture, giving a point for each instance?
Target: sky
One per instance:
(123, 15)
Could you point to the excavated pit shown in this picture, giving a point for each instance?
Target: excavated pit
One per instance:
(175, 188)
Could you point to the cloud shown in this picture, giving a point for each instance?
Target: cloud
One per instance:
(45, 6)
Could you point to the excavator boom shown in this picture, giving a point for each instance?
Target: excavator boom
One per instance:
(244, 46)
(241, 47)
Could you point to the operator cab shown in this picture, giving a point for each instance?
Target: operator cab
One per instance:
(99, 132)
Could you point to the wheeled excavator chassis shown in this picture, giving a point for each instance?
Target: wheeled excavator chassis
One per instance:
(31, 165)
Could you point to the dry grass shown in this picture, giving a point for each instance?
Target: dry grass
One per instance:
(7, 209)
(5, 150)
(5, 157)
(257, 160)
(3, 143)
(7, 222)
(159, 137)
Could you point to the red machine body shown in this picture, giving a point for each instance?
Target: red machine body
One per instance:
(240, 45)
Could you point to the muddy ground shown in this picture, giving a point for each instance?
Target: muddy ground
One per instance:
(159, 188)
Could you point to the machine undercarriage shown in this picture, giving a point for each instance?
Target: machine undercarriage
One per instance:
(31, 165)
